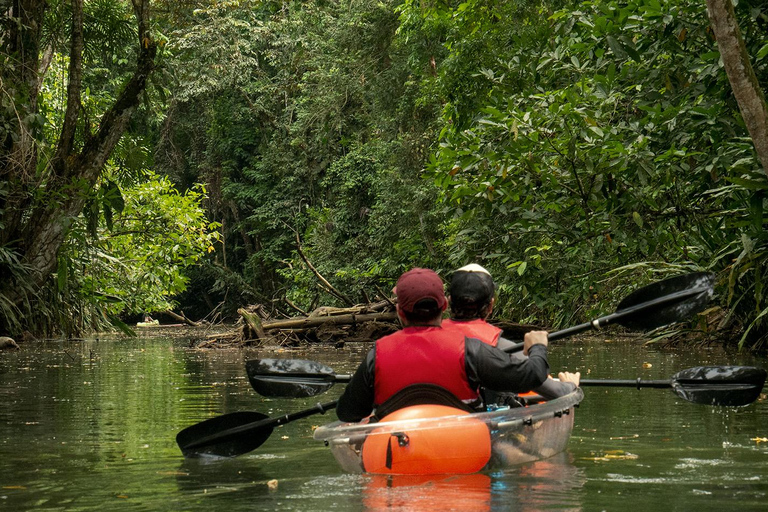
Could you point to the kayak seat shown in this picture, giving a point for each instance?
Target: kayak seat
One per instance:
(420, 394)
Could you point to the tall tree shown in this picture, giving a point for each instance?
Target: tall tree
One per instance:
(46, 184)
(741, 75)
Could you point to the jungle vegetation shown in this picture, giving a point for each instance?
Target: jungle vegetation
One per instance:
(199, 153)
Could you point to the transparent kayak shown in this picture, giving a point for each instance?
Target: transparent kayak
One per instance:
(434, 439)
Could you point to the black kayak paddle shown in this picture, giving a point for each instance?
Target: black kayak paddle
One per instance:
(672, 300)
(727, 386)
(708, 385)
(661, 303)
(652, 306)
(237, 432)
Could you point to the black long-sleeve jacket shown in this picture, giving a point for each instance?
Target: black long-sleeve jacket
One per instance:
(486, 366)
(550, 388)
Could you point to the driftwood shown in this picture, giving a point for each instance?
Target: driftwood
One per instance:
(358, 323)
(317, 321)
(513, 331)
(182, 318)
(254, 322)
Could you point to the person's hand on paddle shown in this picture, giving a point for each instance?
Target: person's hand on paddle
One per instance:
(570, 377)
(534, 338)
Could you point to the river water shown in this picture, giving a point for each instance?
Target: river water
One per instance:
(91, 425)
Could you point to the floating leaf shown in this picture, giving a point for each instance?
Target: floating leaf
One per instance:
(621, 438)
(612, 455)
(623, 456)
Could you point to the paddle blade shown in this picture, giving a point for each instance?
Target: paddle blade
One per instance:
(729, 386)
(294, 378)
(226, 436)
(668, 301)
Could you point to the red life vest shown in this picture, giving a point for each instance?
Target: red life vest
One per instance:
(421, 355)
(477, 328)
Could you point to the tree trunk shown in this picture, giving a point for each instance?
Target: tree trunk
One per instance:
(18, 157)
(741, 75)
(38, 209)
(254, 323)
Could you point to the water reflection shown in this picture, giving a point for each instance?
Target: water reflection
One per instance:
(91, 426)
(215, 476)
(427, 493)
(551, 484)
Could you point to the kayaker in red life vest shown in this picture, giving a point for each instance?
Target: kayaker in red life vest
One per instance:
(422, 352)
(471, 297)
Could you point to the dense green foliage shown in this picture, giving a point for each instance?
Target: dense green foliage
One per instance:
(576, 149)
(134, 262)
(581, 139)
(315, 136)
(613, 141)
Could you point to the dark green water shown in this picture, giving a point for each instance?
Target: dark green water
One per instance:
(91, 426)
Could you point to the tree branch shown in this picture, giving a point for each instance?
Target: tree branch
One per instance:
(75, 75)
(325, 283)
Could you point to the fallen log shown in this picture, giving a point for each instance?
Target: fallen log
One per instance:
(513, 331)
(182, 318)
(316, 321)
(361, 323)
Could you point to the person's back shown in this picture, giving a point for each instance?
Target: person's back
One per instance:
(419, 355)
(475, 328)
(471, 298)
(425, 353)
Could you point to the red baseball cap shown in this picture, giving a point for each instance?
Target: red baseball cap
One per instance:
(418, 284)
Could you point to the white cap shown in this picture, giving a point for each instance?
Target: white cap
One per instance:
(473, 267)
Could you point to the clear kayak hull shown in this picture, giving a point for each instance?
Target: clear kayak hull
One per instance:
(433, 439)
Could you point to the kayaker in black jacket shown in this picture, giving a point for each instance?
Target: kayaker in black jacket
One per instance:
(425, 353)
(471, 297)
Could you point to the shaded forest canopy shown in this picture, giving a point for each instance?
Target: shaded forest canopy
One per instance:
(205, 156)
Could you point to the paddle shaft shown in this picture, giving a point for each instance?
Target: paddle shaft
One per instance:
(701, 383)
(617, 383)
(627, 383)
(268, 423)
(651, 306)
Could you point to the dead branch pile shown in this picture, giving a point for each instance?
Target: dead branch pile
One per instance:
(361, 323)
(366, 322)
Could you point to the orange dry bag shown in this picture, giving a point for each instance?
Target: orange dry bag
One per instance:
(436, 446)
